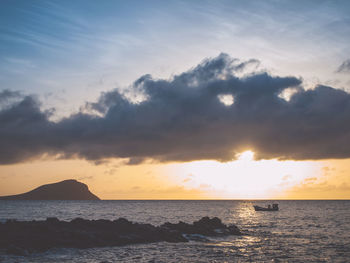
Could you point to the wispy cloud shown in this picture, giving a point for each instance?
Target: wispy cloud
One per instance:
(344, 67)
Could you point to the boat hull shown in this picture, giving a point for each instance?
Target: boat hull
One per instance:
(259, 208)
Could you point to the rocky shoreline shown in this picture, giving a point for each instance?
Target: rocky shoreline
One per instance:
(22, 237)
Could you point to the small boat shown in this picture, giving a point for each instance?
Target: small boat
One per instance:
(269, 208)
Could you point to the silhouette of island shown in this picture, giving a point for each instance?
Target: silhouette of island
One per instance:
(64, 190)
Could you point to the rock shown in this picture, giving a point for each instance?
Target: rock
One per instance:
(52, 220)
(18, 237)
(16, 251)
(234, 230)
(204, 226)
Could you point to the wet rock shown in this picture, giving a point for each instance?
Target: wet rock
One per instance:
(234, 230)
(52, 220)
(18, 237)
(16, 251)
(205, 226)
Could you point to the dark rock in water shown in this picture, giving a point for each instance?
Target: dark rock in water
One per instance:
(204, 226)
(16, 251)
(52, 220)
(65, 190)
(18, 237)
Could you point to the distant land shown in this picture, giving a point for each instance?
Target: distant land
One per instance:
(64, 190)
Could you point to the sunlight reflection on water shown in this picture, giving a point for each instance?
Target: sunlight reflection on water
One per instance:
(302, 231)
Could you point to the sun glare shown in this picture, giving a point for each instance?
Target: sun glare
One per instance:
(226, 99)
(246, 156)
(247, 178)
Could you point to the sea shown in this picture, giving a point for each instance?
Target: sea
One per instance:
(301, 231)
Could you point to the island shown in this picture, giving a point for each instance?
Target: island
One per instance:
(65, 190)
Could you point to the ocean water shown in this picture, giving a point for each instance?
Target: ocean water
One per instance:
(302, 231)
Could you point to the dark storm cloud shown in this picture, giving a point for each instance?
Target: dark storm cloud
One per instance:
(344, 67)
(182, 119)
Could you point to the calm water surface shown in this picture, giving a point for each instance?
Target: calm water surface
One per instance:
(302, 231)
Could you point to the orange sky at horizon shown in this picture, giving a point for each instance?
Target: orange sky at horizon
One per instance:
(243, 178)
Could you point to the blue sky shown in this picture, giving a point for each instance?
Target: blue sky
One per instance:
(67, 52)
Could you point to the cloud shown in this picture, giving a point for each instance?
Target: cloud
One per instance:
(8, 97)
(344, 67)
(183, 119)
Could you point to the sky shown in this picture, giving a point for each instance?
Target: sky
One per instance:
(177, 99)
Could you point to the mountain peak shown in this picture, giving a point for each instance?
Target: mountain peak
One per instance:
(70, 189)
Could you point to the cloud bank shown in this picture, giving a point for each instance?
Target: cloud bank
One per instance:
(183, 119)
